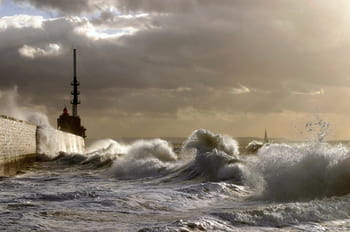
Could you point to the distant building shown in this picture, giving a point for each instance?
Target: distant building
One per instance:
(266, 139)
(72, 123)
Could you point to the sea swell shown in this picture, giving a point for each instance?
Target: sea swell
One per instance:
(206, 186)
(278, 172)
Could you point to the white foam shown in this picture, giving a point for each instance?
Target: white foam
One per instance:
(302, 171)
(254, 146)
(144, 158)
(205, 141)
(287, 214)
(217, 156)
(106, 146)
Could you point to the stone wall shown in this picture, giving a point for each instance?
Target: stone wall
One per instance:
(17, 144)
(21, 142)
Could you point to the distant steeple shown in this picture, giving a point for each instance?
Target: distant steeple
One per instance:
(266, 139)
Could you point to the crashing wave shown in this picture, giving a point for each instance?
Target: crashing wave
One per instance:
(217, 156)
(205, 141)
(144, 158)
(304, 171)
(254, 146)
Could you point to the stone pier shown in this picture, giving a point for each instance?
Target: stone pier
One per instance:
(20, 143)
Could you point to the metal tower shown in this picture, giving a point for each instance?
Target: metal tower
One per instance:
(75, 83)
(72, 123)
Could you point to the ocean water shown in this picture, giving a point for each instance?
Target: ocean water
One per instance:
(203, 184)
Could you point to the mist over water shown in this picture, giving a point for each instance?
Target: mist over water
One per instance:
(203, 184)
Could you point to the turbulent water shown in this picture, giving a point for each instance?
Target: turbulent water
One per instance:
(206, 185)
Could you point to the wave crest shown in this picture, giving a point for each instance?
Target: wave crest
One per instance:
(205, 141)
(306, 171)
(144, 158)
(217, 156)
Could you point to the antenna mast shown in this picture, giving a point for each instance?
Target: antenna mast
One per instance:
(75, 83)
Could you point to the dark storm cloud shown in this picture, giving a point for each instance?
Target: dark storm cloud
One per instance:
(83, 6)
(221, 56)
(156, 6)
(66, 6)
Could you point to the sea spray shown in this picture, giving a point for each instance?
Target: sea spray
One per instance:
(279, 172)
(217, 156)
(318, 129)
(205, 141)
(303, 171)
(50, 142)
(145, 158)
(9, 106)
(217, 165)
(219, 201)
(99, 154)
(105, 146)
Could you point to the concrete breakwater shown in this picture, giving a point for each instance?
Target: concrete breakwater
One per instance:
(21, 142)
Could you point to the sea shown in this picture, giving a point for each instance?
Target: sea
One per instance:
(206, 182)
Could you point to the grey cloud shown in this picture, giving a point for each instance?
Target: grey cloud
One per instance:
(156, 6)
(64, 6)
(276, 48)
(111, 19)
(83, 6)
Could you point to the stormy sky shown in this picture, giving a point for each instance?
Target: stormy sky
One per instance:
(152, 68)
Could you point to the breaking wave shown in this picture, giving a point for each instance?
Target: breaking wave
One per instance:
(207, 155)
(205, 141)
(303, 171)
(279, 172)
(216, 156)
(143, 158)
